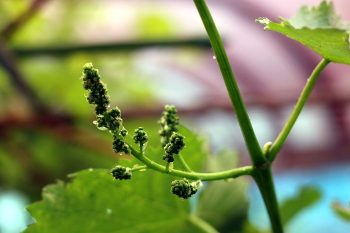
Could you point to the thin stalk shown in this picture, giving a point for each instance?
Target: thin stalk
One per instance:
(231, 84)
(281, 138)
(233, 173)
(183, 163)
(138, 168)
(264, 180)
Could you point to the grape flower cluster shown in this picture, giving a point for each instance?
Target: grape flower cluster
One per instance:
(110, 119)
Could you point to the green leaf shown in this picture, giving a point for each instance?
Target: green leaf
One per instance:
(94, 202)
(319, 29)
(292, 206)
(100, 204)
(224, 204)
(322, 16)
(341, 211)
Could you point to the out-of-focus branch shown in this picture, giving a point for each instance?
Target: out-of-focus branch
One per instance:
(111, 47)
(14, 25)
(7, 61)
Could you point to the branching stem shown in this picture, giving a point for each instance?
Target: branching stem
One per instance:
(233, 173)
(281, 138)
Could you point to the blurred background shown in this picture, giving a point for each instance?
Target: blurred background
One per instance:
(155, 52)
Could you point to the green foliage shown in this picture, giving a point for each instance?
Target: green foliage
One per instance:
(317, 28)
(143, 204)
(30, 159)
(94, 202)
(100, 202)
(322, 16)
(223, 204)
(341, 211)
(306, 197)
(152, 23)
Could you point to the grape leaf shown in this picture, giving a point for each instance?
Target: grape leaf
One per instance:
(319, 29)
(94, 202)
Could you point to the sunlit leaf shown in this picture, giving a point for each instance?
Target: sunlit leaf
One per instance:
(94, 202)
(317, 28)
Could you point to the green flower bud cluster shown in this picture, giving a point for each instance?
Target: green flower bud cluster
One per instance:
(183, 188)
(97, 90)
(140, 136)
(173, 147)
(111, 120)
(119, 145)
(168, 123)
(121, 173)
(107, 119)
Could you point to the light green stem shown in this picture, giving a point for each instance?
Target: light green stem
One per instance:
(183, 163)
(138, 168)
(281, 138)
(230, 82)
(233, 173)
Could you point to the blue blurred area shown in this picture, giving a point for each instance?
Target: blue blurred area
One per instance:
(333, 181)
(13, 217)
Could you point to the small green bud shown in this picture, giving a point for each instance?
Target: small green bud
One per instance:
(173, 147)
(168, 158)
(123, 132)
(168, 123)
(115, 112)
(183, 188)
(121, 173)
(140, 136)
(109, 120)
(119, 146)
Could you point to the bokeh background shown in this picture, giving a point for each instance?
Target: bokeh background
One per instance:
(155, 52)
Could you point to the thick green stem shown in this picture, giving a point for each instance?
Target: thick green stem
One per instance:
(233, 173)
(264, 180)
(281, 138)
(230, 82)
